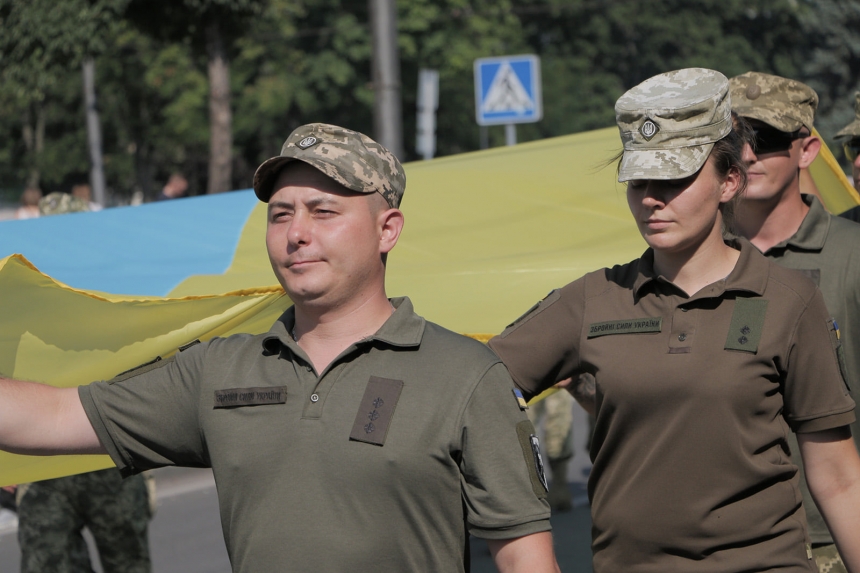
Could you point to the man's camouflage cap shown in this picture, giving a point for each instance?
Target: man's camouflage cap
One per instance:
(59, 203)
(779, 102)
(669, 123)
(852, 130)
(349, 157)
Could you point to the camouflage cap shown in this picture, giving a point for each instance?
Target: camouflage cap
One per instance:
(779, 102)
(852, 130)
(669, 123)
(58, 203)
(349, 157)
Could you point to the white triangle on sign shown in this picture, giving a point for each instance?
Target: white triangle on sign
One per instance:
(507, 93)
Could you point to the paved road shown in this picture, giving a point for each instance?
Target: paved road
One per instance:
(185, 534)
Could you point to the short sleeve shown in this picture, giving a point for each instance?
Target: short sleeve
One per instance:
(816, 395)
(148, 417)
(502, 490)
(542, 347)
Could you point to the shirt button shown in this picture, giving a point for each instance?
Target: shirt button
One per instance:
(682, 337)
(684, 309)
(315, 398)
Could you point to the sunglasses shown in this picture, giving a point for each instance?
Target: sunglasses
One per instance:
(852, 148)
(769, 139)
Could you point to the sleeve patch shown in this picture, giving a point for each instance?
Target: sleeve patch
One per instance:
(531, 452)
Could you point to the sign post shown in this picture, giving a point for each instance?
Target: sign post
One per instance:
(507, 92)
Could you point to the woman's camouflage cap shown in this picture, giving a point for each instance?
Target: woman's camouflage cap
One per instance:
(779, 102)
(852, 130)
(669, 123)
(349, 157)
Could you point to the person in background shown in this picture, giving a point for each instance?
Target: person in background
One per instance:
(52, 514)
(704, 356)
(29, 208)
(176, 187)
(850, 137)
(83, 192)
(794, 230)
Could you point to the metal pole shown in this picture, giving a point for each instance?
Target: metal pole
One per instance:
(510, 134)
(387, 117)
(484, 135)
(428, 103)
(94, 133)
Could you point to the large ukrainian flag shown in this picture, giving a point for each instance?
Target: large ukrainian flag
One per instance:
(487, 234)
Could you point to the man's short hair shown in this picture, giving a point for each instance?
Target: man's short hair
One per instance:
(779, 102)
(351, 158)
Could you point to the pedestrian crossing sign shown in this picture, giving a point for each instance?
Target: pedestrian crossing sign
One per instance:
(508, 90)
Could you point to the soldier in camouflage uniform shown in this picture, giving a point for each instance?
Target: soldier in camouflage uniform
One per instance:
(795, 231)
(556, 410)
(53, 513)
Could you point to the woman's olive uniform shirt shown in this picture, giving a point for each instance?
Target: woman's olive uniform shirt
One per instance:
(383, 462)
(696, 397)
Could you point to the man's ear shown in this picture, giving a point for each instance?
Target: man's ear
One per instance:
(390, 224)
(809, 150)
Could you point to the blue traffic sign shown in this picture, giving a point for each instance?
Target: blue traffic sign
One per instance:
(508, 90)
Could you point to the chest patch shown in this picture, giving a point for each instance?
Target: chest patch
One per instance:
(747, 324)
(376, 410)
(626, 326)
(232, 397)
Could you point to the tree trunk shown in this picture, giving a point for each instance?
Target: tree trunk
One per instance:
(387, 120)
(94, 133)
(34, 141)
(220, 118)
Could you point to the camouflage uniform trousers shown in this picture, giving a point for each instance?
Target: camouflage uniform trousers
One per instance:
(828, 560)
(52, 514)
(557, 411)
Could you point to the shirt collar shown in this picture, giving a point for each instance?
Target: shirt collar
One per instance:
(403, 328)
(750, 273)
(813, 229)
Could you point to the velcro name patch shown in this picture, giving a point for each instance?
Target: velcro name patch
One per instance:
(233, 397)
(626, 326)
(376, 410)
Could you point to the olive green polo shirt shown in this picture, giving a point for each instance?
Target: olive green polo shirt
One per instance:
(383, 462)
(825, 248)
(696, 396)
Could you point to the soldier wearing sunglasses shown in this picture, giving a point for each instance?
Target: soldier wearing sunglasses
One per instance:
(797, 232)
(850, 137)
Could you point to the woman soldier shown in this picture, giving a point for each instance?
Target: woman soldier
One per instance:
(705, 356)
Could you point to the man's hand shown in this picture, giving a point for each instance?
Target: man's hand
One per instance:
(584, 390)
(528, 554)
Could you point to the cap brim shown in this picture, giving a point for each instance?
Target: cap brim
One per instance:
(663, 163)
(773, 118)
(265, 175)
(850, 131)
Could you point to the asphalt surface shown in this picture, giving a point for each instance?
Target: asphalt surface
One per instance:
(185, 534)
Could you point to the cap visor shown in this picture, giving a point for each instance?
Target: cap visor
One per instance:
(663, 163)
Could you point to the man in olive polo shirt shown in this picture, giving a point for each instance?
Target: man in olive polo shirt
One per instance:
(795, 231)
(354, 435)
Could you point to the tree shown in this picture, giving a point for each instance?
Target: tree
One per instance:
(41, 41)
(212, 26)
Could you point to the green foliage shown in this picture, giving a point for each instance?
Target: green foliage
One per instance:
(297, 61)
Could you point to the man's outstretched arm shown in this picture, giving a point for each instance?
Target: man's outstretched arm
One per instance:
(38, 419)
